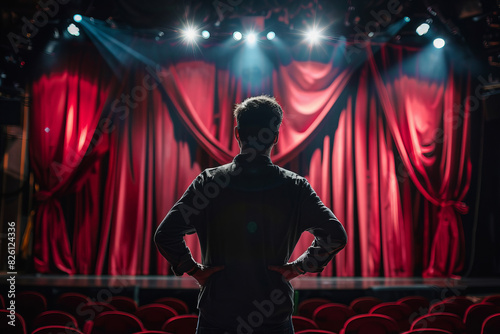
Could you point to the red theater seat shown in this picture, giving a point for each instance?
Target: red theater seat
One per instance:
(370, 324)
(181, 324)
(417, 304)
(5, 327)
(56, 330)
(178, 305)
(476, 314)
(115, 322)
(447, 321)
(491, 325)
(306, 307)
(363, 305)
(302, 323)
(123, 303)
(90, 311)
(332, 316)
(55, 318)
(30, 304)
(315, 331)
(494, 299)
(399, 312)
(153, 316)
(449, 307)
(427, 331)
(71, 301)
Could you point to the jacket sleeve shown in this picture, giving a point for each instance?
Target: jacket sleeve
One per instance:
(181, 220)
(329, 234)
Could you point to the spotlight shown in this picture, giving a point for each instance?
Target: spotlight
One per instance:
(270, 35)
(77, 18)
(251, 38)
(189, 34)
(438, 43)
(237, 35)
(423, 29)
(205, 34)
(407, 19)
(73, 30)
(313, 35)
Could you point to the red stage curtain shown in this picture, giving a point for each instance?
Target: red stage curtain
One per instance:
(428, 117)
(161, 138)
(66, 112)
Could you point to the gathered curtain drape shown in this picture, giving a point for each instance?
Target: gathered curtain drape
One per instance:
(156, 133)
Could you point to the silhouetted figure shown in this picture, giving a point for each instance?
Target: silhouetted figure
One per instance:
(249, 215)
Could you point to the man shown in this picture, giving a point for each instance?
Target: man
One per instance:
(249, 215)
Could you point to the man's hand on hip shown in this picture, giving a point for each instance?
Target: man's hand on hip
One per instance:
(289, 271)
(201, 273)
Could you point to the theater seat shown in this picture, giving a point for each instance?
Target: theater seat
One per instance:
(56, 330)
(55, 318)
(332, 316)
(306, 307)
(123, 303)
(447, 321)
(476, 314)
(20, 325)
(181, 324)
(363, 305)
(115, 322)
(399, 312)
(302, 323)
(491, 325)
(153, 316)
(177, 304)
(370, 324)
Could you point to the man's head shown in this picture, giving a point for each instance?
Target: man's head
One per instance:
(257, 122)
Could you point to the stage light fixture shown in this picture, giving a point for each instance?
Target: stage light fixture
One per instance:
(313, 35)
(189, 34)
(407, 19)
(73, 30)
(423, 29)
(251, 38)
(237, 36)
(77, 18)
(205, 34)
(270, 35)
(438, 43)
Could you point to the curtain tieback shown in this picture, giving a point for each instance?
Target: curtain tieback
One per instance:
(43, 195)
(459, 207)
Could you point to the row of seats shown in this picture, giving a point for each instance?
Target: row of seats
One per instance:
(456, 314)
(73, 310)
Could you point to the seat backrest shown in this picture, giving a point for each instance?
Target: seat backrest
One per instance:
(90, 311)
(181, 324)
(55, 318)
(332, 316)
(399, 312)
(449, 307)
(116, 322)
(177, 304)
(55, 329)
(7, 321)
(417, 304)
(462, 300)
(476, 314)
(30, 304)
(71, 301)
(363, 305)
(491, 325)
(494, 299)
(123, 303)
(371, 324)
(302, 323)
(306, 307)
(447, 321)
(153, 316)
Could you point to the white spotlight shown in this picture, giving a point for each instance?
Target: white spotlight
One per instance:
(313, 35)
(251, 38)
(423, 29)
(77, 18)
(237, 35)
(205, 34)
(189, 34)
(438, 43)
(73, 30)
(271, 35)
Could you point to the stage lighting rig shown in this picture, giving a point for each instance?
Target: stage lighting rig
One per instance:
(237, 35)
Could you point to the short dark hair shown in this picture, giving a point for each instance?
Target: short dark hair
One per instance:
(259, 117)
